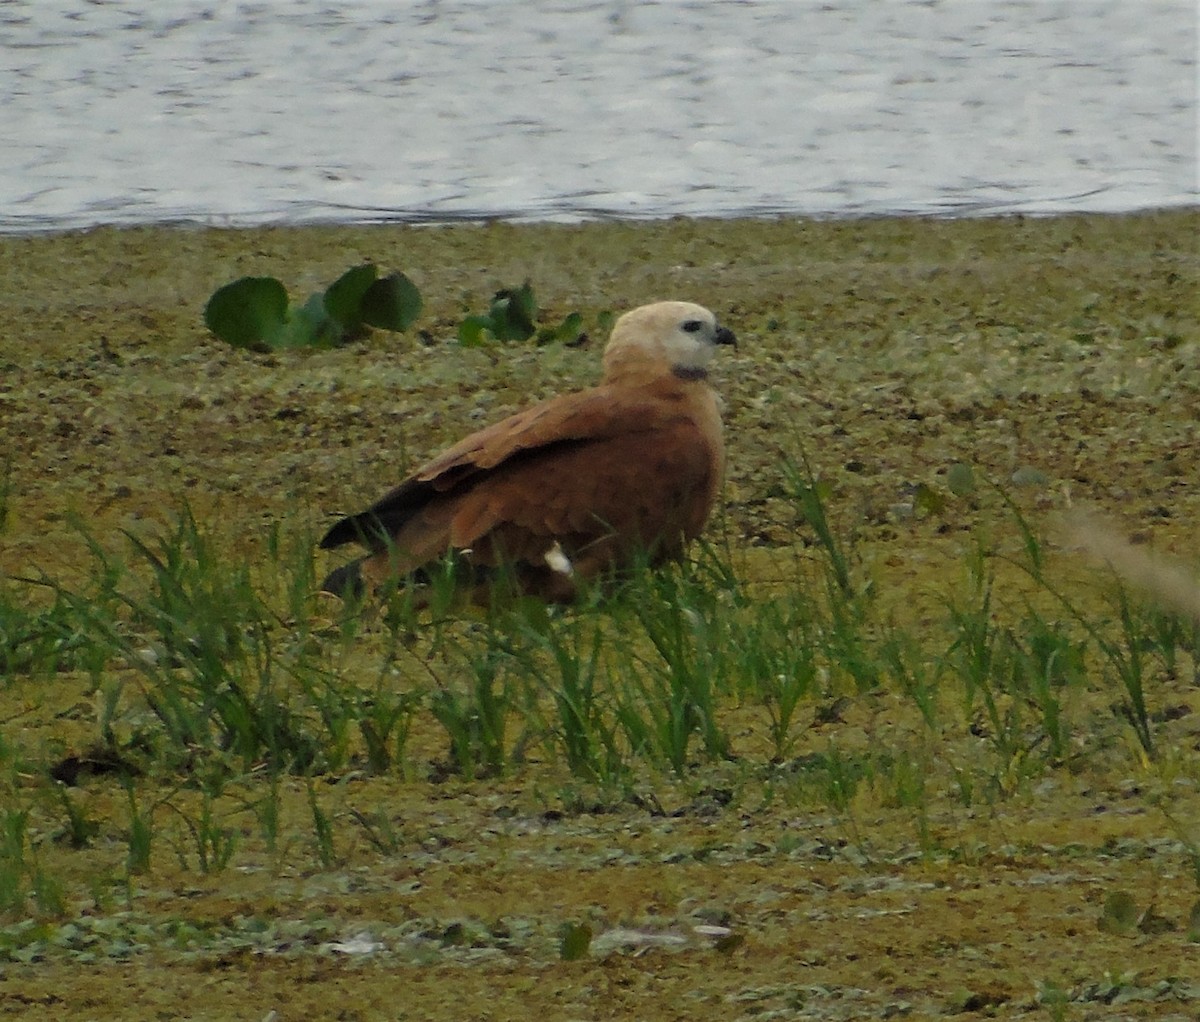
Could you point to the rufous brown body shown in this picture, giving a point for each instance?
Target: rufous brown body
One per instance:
(572, 487)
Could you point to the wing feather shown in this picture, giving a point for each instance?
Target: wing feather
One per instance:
(556, 426)
(630, 491)
(587, 415)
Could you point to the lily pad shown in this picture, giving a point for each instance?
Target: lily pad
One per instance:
(253, 312)
(248, 312)
(343, 298)
(391, 303)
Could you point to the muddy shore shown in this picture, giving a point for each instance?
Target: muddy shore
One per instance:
(1056, 357)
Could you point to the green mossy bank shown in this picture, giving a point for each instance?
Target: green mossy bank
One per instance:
(950, 384)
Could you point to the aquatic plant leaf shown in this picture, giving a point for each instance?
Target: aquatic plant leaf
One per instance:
(343, 298)
(1120, 913)
(472, 329)
(513, 313)
(309, 326)
(567, 332)
(247, 312)
(510, 317)
(576, 941)
(960, 479)
(391, 303)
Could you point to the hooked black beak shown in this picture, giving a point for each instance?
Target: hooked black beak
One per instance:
(726, 336)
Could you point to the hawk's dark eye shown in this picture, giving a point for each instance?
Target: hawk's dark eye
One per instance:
(693, 326)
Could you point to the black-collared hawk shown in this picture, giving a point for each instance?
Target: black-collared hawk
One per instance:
(571, 488)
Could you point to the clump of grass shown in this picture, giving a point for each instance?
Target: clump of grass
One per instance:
(13, 867)
(211, 840)
(672, 684)
(22, 879)
(571, 675)
(1136, 636)
(140, 833)
(919, 677)
(846, 635)
(776, 664)
(323, 841)
(217, 678)
(79, 829)
(475, 718)
(207, 653)
(40, 639)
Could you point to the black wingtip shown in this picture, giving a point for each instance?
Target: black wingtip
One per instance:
(375, 527)
(339, 533)
(365, 528)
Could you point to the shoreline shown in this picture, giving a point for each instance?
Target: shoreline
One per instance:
(414, 219)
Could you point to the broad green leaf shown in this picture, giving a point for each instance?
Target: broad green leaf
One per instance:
(523, 302)
(472, 329)
(344, 297)
(247, 312)
(576, 939)
(567, 332)
(391, 303)
(513, 313)
(1120, 913)
(960, 479)
(309, 326)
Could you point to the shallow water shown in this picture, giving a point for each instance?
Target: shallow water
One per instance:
(131, 112)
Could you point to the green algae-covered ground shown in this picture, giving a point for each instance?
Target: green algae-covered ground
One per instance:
(1056, 357)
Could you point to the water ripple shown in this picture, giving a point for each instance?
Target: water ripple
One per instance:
(456, 109)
